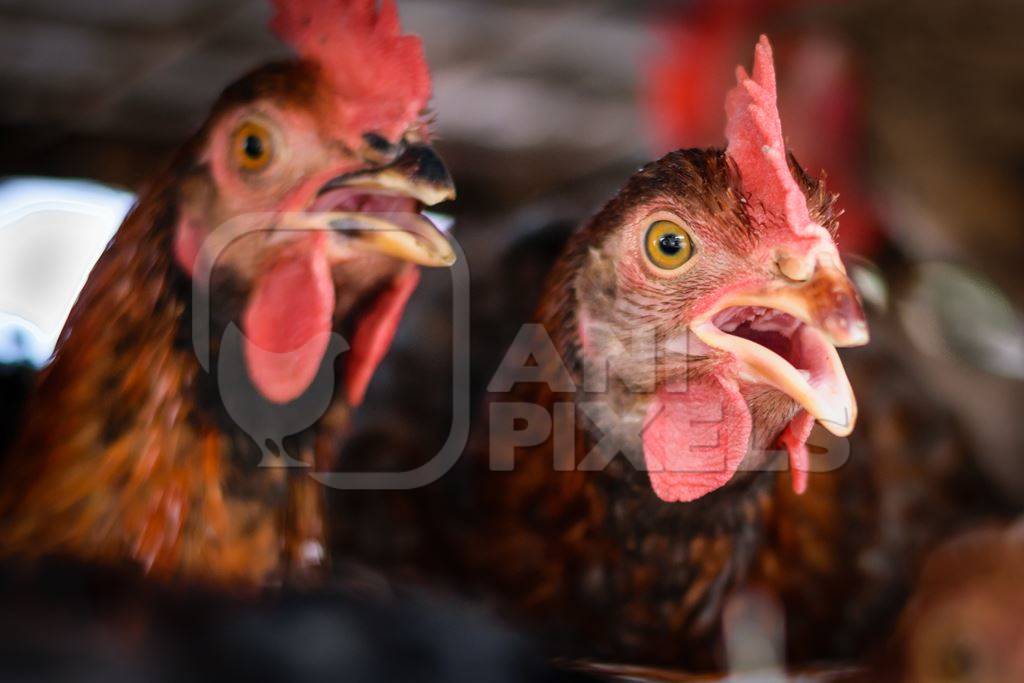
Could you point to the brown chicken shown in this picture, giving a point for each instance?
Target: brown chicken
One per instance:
(711, 290)
(600, 561)
(624, 477)
(962, 622)
(294, 211)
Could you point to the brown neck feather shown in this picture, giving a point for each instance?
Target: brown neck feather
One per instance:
(118, 461)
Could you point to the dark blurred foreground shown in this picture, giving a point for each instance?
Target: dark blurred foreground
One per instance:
(62, 622)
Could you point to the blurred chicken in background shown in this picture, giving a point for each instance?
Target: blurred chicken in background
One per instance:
(294, 211)
(963, 622)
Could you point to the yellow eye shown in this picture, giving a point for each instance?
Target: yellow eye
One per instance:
(668, 246)
(252, 146)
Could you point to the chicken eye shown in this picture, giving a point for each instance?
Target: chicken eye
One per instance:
(668, 246)
(252, 147)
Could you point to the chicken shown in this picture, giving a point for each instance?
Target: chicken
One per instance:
(292, 215)
(963, 621)
(622, 479)
(711, 290)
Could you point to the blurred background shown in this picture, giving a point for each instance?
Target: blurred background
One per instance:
(912, 108)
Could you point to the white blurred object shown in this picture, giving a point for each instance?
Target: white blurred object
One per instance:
(51, 234)
(870, 282)
(955, 313)
(442, 221)
(754, 627)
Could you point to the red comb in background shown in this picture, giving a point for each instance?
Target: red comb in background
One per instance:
(686, 76)
(754, 132)
(379, 76)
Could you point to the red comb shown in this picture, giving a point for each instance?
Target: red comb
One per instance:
(754, 132)
(378, 75)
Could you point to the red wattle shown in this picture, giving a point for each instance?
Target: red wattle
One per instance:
(287, 322)
(695, 437)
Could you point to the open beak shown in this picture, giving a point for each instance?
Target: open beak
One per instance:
(786, 334)
(380, 209)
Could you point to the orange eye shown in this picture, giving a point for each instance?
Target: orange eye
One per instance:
(252, 146)
(668, 246)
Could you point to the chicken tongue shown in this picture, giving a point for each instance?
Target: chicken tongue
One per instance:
(695, 437)
(287, 321)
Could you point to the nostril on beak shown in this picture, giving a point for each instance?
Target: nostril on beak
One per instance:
(380, 150)
(796, 269)
(819, 281)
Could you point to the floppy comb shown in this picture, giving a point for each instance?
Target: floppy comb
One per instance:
(378, 75)
(755, 144)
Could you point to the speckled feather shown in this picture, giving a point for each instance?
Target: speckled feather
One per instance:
(117, 460)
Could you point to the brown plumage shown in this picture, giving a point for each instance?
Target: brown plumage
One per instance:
(117, 459)
(604, 568)
(849, 551)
